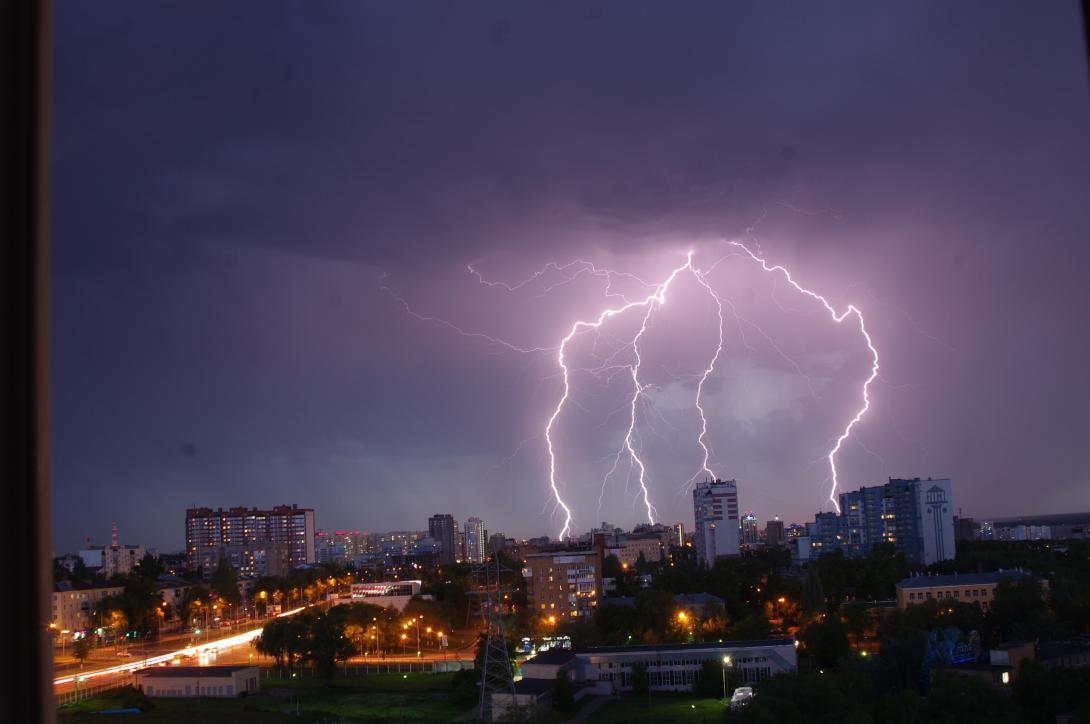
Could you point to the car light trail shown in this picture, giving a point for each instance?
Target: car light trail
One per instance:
(202, 649)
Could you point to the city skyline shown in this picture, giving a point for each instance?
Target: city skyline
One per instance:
(302, 291)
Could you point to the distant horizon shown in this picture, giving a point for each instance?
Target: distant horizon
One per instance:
(688, 527)
(389, 258)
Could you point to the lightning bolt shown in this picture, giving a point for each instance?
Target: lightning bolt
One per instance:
(553, 276)
(837, 317)
(656, 298)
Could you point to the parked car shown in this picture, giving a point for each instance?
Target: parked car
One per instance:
(742, 696)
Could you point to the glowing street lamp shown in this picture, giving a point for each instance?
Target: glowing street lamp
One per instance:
(726, 663)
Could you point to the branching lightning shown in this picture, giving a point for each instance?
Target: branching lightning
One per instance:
(553, 276)
(838, 318)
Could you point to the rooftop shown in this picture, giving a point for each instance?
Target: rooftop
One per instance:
(707, 646)
(552, 656)
(960, 579)
(166, 672)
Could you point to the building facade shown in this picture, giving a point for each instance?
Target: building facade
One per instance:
(74, 606)
(964, 587)
(675, 667)
(774, 535)
(915, 516)
(202, 681)
(212, 534)
(441, 529)
(749, 530)
(112, 560)
(715, 511)
(567, 583)
(631, 547)
(476, 537)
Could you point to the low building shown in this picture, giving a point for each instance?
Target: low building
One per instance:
(391, 594)
(538, 684)
(567, 583)
(961, 587)
(629, 550)
(699, 605)
(172, 589)
(675, 667)
(547, 664)
(194, 681)
(74, 605)
(529, 694)
(1067, 654)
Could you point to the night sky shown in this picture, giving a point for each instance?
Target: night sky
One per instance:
(239, 192)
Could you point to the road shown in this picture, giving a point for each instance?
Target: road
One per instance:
(109, 666)
(106, 666)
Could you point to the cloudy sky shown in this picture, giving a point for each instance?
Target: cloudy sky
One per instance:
(264, 219)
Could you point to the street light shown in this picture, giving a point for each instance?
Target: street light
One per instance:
(726, 663)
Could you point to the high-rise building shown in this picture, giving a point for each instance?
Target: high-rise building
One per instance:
(966, 528)
(774, 536)
(209, 534)
(475, 540)
(914, 516)
(715, 513)
(441, 529)
(563, 584)
(749, 530)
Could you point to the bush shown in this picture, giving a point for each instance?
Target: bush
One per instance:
(641, 683)
(134, 699)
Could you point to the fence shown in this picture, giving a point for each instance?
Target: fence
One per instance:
(387, 667)
(86, 691)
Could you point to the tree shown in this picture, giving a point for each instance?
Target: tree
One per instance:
(272, 642)
(225, 583)
(654, 612)
(641, 683)
(813, 593)
(564, 694)
(325, 643)
(825, 641)
(751, 628)
(79, 571)
(148, 567)
(616, 624)
(611, 567)
(81, 649)
(709, 680)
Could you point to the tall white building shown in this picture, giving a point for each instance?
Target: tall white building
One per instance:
(936, 516)
(715, 512)
(475, 540)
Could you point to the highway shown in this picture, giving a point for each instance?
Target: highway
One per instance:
(231, 649)
(198, 653)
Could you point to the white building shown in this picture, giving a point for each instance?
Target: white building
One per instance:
(74, 605)
(194, 681)
(674, 667)
(715, 511)
(113, 559)
(936, 512)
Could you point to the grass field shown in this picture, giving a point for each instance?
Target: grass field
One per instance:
(373, 698)
(660, 708)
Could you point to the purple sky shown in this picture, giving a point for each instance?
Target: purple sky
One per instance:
(232, 188)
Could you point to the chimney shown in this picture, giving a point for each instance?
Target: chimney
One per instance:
(113, 535)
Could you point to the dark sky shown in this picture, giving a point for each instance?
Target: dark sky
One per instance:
(233, 186)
